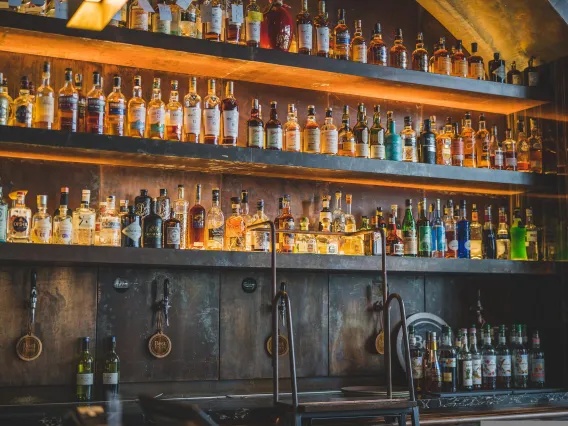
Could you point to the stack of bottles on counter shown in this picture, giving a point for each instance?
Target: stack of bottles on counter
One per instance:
(164, 223)
(231, 22)
(489, 363)
(86, 372)
(215, 121)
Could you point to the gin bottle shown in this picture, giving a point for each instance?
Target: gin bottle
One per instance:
(215, 224)
(84, 221)
(63, 221)
(131, 225)
(41, 222)
(110, 225)
(393, 142)
(152, 228)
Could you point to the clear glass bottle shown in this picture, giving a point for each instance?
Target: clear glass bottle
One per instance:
(292, 131)
(63, 221)
(497, 155)
(41, 222)
(286, 222)
(137, 110)
(351, 245)
(44, 116)
(244, 211)
(483, 145)
(253, 20)
(211, 115)
(234, 21)
(503, 241)
(510, 148)
(459, 61)
(338, 216)
(536, 358)
(326, 244)
(420, 58)
(347, 142)
(6, 103)
(476, 235)
(304, 30)
(192, 113)
(116, 109)
(174, 115)
(110, 225)
(358, 44)
(311, 132)
(377, 132)
(274, 129)
(409, 146)
(398, 53)
(468, 136)
(214, 28)
(532, 236)
(342, 37)
(535, 149)
(85, 372)
(111, 370)
(181, 207)
(444, 144)
(305, 243)
(518, 234)
(451, 236)
(23, 105)
(329, 135)
(361, 133)
(215, 224)
(96, 105)
(156, 121)
(19, 219)
(255, 127)
(323, 30)
(68, 100)
(84, 221)
(230, 108)
(260, 237)
(463, 231)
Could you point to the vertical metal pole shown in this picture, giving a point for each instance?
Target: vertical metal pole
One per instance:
(386, 314)
(292, 356)
(274, 313)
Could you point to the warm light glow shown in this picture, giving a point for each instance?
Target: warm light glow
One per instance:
(95, 14)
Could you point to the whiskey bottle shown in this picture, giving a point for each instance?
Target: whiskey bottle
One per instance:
(84, 221)
(181, 207)
(503, 240)
(518, 233)
(162, 18)
(235, 235)
(463, 232)
(41, 222)
(116, 109)
(304, 30)
(111, 371)
(68, 100)
(172, 232)
(215, 224)
(377, 53)
(292, 131)
(152, 225)
(424, 231)
(459, 61)
(325, 243)
(393, 142)
(536, 357)
(470, 155)
(247, 219)
(496, 69)
(6, 103)
(483, 145)
(346, 145)
(214, 27)
(535, 149)
(192, 113)
(520, 359)
(254, 17)
(63, 221)
(497, 156)
(142, 203)
(458, 147)
(476, 235)
(435, 366)
(286, 222)
(96, 103)
(358, 44)
(131, 228)
(476, 66)
(398, 53)
(416, 359)
(489, 368)
(311, 132)
(255, 128)
(23, 105)
(465, 364)
(489, 245)
(156, 121)
(81, 104)
(137, 111)
(448, 361)
(329, 136)
(163, 204)
(531, 74)
(230, 114)
(211, 115)
(450, 224)
(523, 156)
(438, 233)
(234, 21)
(532, 236)
(428, 144)
(45, 101)
(514, 76)
(510, 148)
(361, 133)
(196, 225)
(420, 55)
(377, 144)
(444, 144)
(85, 369)
(409, 232)
(408, 136)
(174, 115)
(260, 237)
(3, 218)
(342, 37)
(323, 33)
(503, 361)
(273, 129)
(110, 225)
(138, 17)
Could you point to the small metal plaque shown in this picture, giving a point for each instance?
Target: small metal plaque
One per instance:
(282, 345)
(249, 285)
(28, 347)
(160, 345)
(121, 285)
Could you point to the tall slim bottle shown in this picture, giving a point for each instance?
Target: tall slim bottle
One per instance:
(503, 353)
(211, 115)
(476, 235)
(518, 233)
(532, 236)
(215, 224)
(483, 145)
(230, 113)
(85, 369)
(116, 109)
(465, 361)
(156, 122)
(304, 30)
(435, 366)
(111, 372)
(537, 373)
(489, 237)
(520, 361)
(44, 116)
(255, 127)
(470, 154)
(489, 369)
(409, 232)
(439, 233)
(449, 362)
(174, 115)
(503, 241)
(464, 233)
(424, 231)
(192, 113)
(451, 234)
(416, 358)
(322, 31)
(137, 111)
(476, 360)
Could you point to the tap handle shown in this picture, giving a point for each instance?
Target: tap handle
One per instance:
(33, 296)
(283, 286)
(167, 301)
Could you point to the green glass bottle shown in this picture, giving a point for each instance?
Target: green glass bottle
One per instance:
(518, 234)
(409, 232)
(424, 231)
(111, 373)
(85, 368)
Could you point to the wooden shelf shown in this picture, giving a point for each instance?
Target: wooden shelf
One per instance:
(35, 35)
(32, 254)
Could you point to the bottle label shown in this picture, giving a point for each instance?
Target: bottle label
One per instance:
(329, 141)
(362, 150)
(439, 238)
(457, 149)
(3, 225)
(475, 248)
(253, 29)
(537, 371)
(137, 118)
(450, 362)
(198, 221)
(157, 117)
(110, 378)
(447, 376)
(500, 72)
(476, 71)
(85, 379)
(410, 243)
(521, 365)
(211, 121)
(4, 111)
(133, 231)
(502, 249)
(293, 140)
(532, 237)
(192, 120)
(261, 241)
(175, 118)
(460, 67)
(499, 160)
(348, 147)
(231, 123)
(417, 368)
(467, 373)
(504, 365)
(533, 79)
(45, 109)
(256, 136)
(236, 14)
(274, 139)
(139, 19)
(511, 160)
(87, 221)
(425, 238)
(143, 209)
(305, 36)
(42, 229)
(95, 106)
(117, 108)
(409, 152)
(173, 235)
(453, 245)
(443, 65)
(312, 140)
(68, 103)
(216, 235)
(342, 40)
(360, 53)
(378, 152)
(216, 23)
(476, 371)
(397, 249)
(24, 115)
(322, 39)
(516, 80)
(489, 366)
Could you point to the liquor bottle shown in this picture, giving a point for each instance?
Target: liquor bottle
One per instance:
(41, 222)
(424, 231)
(342, 37)
(393, 143)
(520, 359)
(329, 136)
(85, 368)
(174, 115)
(442, 59)
(111, 371)
(211, 115)
(346, 137)
(448, 361)
(439, 233)
(292, 131)
(109, 234)
(234, 21)
(338, 216)
(277, 28)
(163, 204)
(361, 132)
(465, 364)
(426, 361)
(420, 55)
(489, 238)
(180, 212)
(476, 360)
(470, 154)
(408, 136)
(476, 66)
(458, 148)
(172, 232)
(531, 74)
(395, 244)
(497, 155)
(398, 53)
(503, 354)
(523, 149)
(3, 218)
(215, 224)
(44, 101)
(260, 237)
(496, 69)
(324, 245)
(532, 236)
(435, 366)
(253, 20)
(192, 113)
(152, 226)
(537, 373)
(131, 228)
(247, 218)
(351, 245)
(311, 132)
(23, 105)
(138, 17)
(304, 30)
(459, 61)
(33, 94)
(358, 44)
(6, 103)
(68, 104)
(230, 113)
(514, 76)
(476, 235)
(428, 144)
(510, 148)
(483, 145)
(305, 243)
(286, 222)
(214, 27)
(255, 128)
(377, 53)
(137, 111)
(377, 134)
(489, 368)
(416, 359)
(116, 109)
(463, 230)
(409, 232)
(81, 103)
(444, 144)
(96, 103)
(323, 28)
(142, 203)
(84, 221)
(503, 241)
(273, 129)
(98, 219)
(175, 26)
(535, 149)
(162, 18)
(518, 233)
(156, 121)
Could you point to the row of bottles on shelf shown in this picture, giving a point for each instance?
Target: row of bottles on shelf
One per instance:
(86, 371)
(217, 122)
(471, 365)
(163, 223)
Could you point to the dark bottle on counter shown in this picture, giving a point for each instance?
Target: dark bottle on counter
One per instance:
(503, 353)
(448, 360)
(489, 239)
(172, 232)
(465, 364)
(476, 360)
(514, 76)
(163, 204)
(489, 361)
(435, 367)
(111, 373)
(531, 74)
(520, 361)
(428, 144)
(536, 362)
(152, 228)
(85, 368)
(131, 225)
(497, 69)
(142, 203)
(416, 358)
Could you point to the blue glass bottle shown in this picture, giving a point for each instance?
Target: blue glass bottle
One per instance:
(439, 233)
(463, 232)
(393, 143)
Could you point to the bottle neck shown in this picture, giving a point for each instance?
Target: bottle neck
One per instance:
(174, 96)
(137, 92)
(156, 94)
(45, 79)
(482, 125)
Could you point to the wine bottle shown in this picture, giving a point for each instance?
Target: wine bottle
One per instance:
(85, 367)
(111, 373)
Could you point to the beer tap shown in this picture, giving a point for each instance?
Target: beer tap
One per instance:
(33, 297)
(159, 344)
(166, 302)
